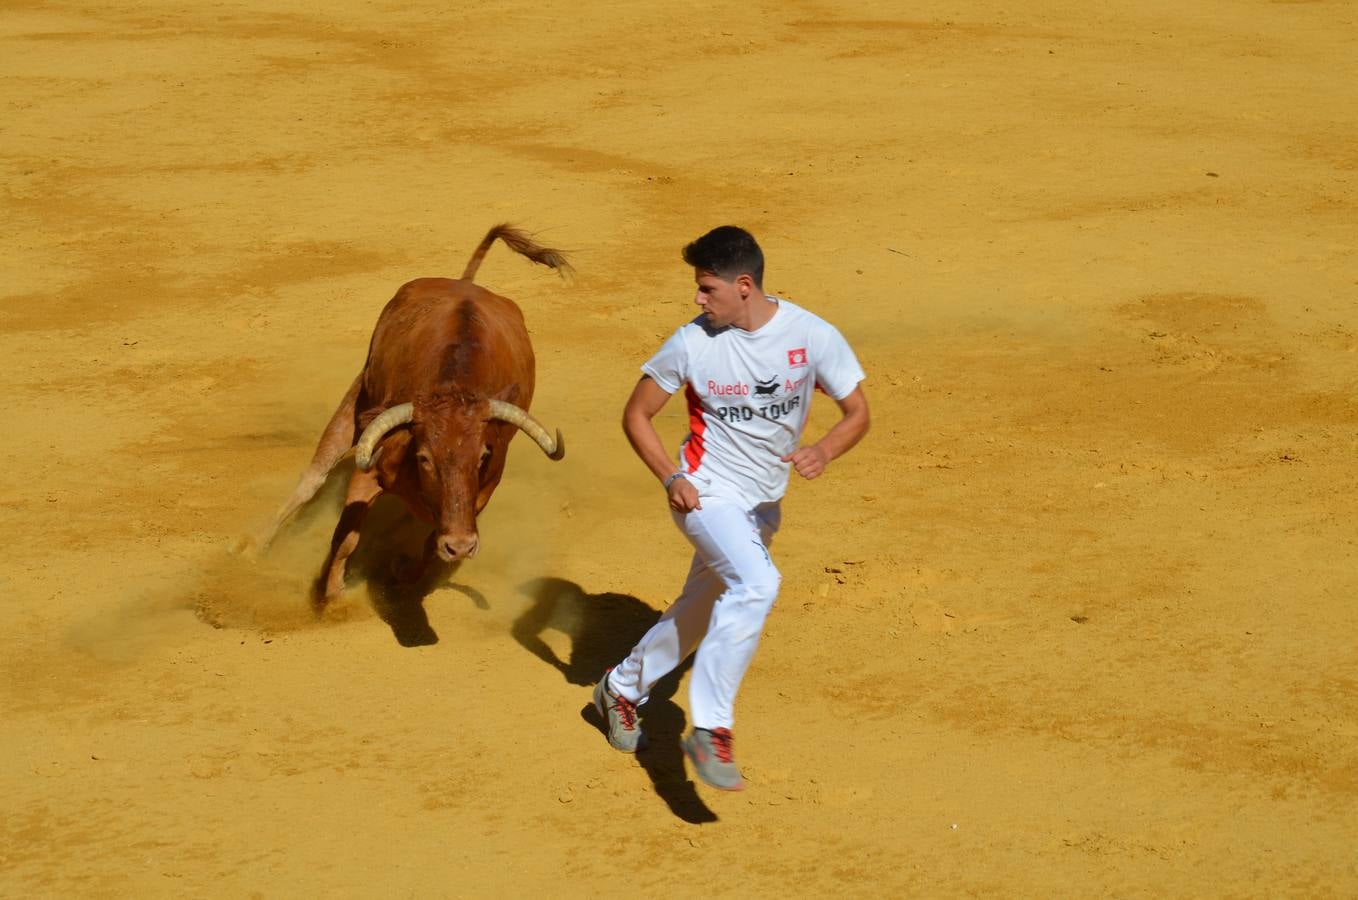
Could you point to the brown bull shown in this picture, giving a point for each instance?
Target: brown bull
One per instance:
(447, 384)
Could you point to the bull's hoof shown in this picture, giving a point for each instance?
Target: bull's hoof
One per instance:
(322, 595)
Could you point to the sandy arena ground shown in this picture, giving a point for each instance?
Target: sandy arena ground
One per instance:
(1077, 619)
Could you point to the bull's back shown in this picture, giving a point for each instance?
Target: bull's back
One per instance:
(445, 333)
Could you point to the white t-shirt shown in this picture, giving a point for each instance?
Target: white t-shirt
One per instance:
(748, 396)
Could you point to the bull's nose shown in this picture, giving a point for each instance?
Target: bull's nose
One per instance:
(451, 549)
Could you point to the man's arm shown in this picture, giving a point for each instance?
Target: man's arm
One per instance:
(647, 399)
(849, 430)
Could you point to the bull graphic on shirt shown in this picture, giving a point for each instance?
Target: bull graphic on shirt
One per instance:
(766, 388)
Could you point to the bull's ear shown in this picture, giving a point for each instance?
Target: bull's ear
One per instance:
(392, 452)
(510, 394)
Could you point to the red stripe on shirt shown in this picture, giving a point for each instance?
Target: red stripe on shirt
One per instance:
(695, 446)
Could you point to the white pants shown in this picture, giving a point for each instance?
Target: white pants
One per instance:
(730, 589)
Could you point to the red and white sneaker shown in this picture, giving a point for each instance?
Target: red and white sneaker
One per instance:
(620, 718)
(710, 752)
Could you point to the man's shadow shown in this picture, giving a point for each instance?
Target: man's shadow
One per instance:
(602, 629)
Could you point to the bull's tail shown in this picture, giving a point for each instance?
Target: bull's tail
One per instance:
(520, 243)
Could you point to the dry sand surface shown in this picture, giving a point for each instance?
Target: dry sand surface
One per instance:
(1076, 619)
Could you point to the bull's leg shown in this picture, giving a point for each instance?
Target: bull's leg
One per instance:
(363, 490)
(335, 441)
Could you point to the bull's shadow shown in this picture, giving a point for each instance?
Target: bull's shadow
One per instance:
(392, 541)
(602, 629)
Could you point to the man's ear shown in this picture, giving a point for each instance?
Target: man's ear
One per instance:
(744, 284)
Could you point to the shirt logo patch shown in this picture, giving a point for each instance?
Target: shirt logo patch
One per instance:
(796, 358)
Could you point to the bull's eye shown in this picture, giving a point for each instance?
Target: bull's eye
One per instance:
(485, 453)
(424, 459)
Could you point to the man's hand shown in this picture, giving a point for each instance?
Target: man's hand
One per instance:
(811, 461)
(683, 496)
(808, 461)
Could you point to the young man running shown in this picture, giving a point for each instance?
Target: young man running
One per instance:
(747, 365)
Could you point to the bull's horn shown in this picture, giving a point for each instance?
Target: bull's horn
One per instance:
(377, 429)
(508, 412)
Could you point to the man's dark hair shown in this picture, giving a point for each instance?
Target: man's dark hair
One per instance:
(727, 252)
